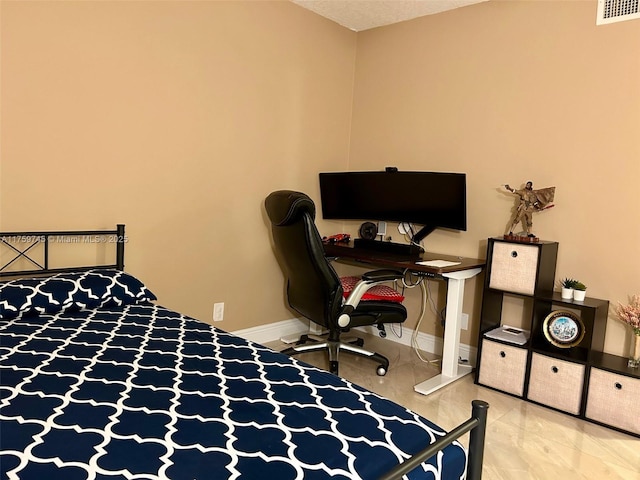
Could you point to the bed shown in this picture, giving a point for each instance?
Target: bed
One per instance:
(99, 381)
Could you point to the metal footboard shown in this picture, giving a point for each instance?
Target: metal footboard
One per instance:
(477, 425)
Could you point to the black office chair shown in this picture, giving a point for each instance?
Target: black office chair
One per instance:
(315, 290)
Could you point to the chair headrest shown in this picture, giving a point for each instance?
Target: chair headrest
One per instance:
(286, 206)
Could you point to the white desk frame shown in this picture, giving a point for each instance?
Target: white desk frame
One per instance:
(451, 370)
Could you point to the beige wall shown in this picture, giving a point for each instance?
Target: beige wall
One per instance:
(178, 118)
(508, 92)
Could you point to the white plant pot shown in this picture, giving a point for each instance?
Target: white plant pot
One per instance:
(578, 295)
(567, 293)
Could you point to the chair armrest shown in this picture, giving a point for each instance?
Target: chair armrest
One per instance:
(385, 275)
(369, 280)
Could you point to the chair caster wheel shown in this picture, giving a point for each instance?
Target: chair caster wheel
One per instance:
(381, 371)
(382, 334)
(333, 367)
(359, 342)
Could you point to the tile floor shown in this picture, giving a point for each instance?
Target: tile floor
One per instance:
(524, 441)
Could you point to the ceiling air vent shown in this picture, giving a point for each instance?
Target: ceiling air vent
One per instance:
(610, 11)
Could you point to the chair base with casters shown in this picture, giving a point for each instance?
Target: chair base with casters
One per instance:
(334, 346)
(316, 292)
(369, 312)
(334, 343)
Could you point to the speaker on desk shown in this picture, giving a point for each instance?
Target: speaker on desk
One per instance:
(521, 268)
(368, 231)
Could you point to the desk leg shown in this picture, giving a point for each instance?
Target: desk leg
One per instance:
(451, 370)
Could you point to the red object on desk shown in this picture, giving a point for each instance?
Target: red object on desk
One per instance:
(337, 238)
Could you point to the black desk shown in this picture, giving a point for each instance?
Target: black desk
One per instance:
(454, 275)
(358, 256)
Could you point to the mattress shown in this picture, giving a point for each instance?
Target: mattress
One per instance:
(119, 390)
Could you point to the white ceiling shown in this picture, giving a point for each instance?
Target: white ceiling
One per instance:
(361, 15)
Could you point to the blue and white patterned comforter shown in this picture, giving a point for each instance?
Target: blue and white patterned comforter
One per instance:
(141, 392)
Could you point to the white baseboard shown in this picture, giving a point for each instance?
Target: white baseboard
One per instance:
(274, 331)
(296, 326)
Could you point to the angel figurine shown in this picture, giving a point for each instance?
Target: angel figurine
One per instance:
(530, 201)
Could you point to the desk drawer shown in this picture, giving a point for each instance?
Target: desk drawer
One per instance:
(614, 400)
(503, 367)
(556, 383)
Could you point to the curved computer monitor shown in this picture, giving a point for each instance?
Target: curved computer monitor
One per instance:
(431, 199)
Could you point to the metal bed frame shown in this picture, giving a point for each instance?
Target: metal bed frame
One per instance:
(475, 425)
(32, 239)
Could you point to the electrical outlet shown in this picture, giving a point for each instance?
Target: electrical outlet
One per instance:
(464, 321)
(218, 312)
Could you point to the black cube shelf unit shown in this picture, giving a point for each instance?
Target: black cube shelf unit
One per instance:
(581, 380)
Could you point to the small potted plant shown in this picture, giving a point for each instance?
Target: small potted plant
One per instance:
(579, 291)
(567, 286)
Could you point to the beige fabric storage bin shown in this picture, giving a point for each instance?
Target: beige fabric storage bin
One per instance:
(514, 268)
(503, 367)
(556, 383)
(614, 400)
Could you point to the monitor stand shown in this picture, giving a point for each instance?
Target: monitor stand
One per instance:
(388, 247)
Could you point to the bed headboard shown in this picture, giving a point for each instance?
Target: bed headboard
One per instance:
(22, 245)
